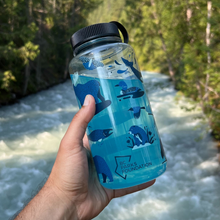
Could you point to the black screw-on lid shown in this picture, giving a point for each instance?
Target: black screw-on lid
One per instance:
(96, 31)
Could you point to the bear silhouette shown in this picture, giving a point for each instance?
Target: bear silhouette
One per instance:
(92, 87)
(102, 168)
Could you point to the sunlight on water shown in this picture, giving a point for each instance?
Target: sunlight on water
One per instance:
(30, 134)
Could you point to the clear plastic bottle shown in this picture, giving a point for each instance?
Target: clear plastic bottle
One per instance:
(123, 135)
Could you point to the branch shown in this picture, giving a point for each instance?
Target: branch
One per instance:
(210, 89)
(214, 109)
(40, 11)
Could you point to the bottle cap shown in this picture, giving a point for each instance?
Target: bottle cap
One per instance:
(97, 31)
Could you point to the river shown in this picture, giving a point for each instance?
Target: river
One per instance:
(31, 130)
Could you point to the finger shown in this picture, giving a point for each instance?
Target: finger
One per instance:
(77, 127)
(123, 192)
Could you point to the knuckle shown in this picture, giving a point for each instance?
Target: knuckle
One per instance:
(77, 116)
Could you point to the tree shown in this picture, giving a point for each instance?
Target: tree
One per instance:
(180, 38)
(34, 42)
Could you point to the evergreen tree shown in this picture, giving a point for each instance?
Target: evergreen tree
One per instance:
(34, 42)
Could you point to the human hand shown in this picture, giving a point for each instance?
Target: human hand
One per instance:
(73, 190)
(74, 177)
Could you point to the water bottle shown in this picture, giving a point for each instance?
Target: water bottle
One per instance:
(123, 135)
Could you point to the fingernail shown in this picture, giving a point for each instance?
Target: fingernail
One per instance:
(86, 101)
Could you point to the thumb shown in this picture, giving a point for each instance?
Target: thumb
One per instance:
(76, 130)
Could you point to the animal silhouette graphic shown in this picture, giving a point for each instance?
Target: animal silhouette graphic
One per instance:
(123, 71)
(117, 62)
(134, 91)
(136, 110)
(90, 64)
(135, 71)
(141, 137)
(91, 87)
(102, 168)
(99, 134)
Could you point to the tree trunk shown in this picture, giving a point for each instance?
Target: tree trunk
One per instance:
(54, 6)
(199, 89)
(26, 78)
(27, 67)
(66, 65)
(38, 69)
(171, 71)
(208, 38)
(169, 62)
(29, 14)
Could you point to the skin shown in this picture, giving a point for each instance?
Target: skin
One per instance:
(72, 190)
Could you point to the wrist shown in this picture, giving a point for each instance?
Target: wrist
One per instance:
(65, 208)
(47, 204)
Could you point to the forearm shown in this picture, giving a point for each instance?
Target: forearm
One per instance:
(47, 205)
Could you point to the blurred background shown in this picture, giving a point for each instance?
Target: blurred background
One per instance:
(180, 39)
(177, 38)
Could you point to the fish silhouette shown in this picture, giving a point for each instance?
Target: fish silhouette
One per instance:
(90, 64)
(135, 71)
(99, 134)
(123, 71)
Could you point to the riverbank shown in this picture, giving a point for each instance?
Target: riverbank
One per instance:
(10, 98)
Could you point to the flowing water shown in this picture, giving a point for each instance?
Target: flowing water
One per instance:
(30, 133)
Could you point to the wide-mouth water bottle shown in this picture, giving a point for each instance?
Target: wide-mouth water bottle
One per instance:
(123, 135)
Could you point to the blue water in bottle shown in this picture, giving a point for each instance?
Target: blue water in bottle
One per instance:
(123, 136)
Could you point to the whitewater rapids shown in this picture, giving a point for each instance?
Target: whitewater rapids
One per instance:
(31, 130)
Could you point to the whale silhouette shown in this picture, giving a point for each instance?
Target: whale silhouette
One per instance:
(91, 87)
(135, 71)
(99, 134)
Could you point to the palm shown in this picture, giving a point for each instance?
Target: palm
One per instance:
(97, 197)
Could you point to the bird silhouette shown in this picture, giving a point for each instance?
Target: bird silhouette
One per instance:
(125, 90)
(136, 110)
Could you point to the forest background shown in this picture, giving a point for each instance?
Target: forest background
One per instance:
(180, 38)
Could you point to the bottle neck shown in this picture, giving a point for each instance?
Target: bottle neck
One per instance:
(96, 42)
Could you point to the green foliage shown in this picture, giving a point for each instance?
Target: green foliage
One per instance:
(109, 10)
(170, 36)
(28, 52)
(5, 79)
(34, 42)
